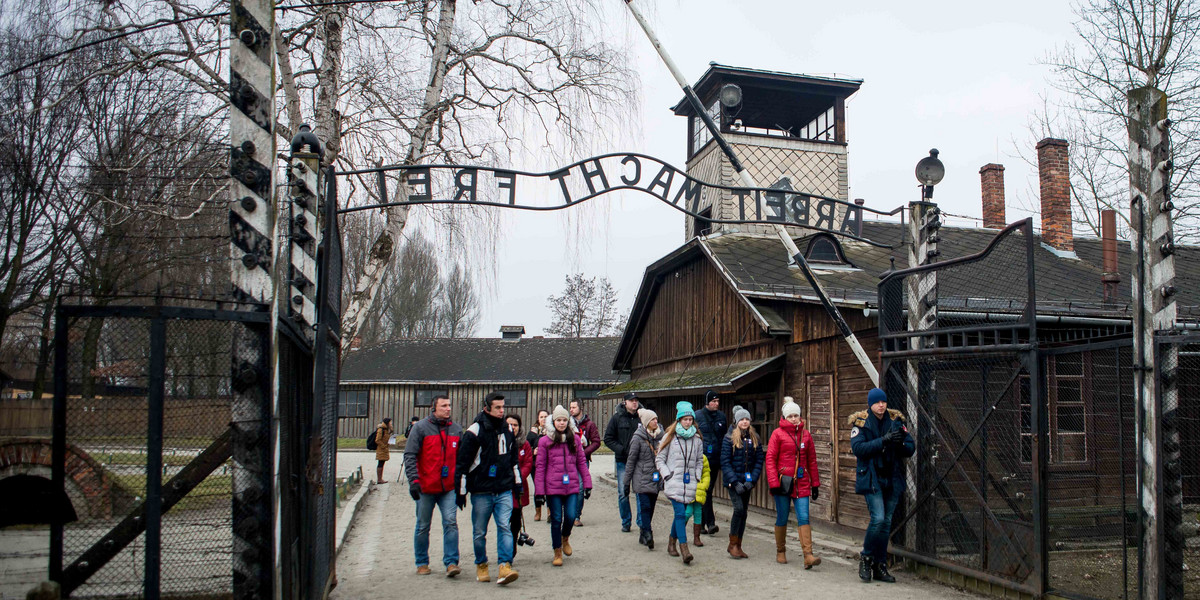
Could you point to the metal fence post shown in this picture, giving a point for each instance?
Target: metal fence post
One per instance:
(58, 443)
(251, 227)
(1160, 485)
(154, 457)
(1039, 409)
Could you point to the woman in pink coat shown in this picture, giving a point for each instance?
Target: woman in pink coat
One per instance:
(561, 465)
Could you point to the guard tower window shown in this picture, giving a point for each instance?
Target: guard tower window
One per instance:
(825, 250)
(700, 133)
(702, 225)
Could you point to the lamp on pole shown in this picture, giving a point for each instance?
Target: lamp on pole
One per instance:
(930, 171)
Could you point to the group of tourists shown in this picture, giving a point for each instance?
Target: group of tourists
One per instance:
(498, 466)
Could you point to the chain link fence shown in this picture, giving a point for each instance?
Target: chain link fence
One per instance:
(143, 412)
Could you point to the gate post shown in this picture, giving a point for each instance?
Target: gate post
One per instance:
(251, 227)
(1159, 484)
(304, 231)
(923, 225)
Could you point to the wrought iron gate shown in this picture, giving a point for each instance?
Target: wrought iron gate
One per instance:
(1026, 474)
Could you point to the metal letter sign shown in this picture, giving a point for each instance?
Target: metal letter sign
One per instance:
(592, 177)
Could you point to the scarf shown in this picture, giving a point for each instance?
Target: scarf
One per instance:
(684, 433)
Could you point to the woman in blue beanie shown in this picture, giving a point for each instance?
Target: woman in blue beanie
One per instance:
(680, 463)
(880, 442)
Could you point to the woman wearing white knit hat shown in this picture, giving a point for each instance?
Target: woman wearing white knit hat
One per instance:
(793, 477)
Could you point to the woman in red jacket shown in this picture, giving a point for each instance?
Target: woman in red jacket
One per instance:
(790, 454)
(525, 463)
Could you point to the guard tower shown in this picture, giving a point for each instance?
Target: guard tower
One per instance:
(789, 131)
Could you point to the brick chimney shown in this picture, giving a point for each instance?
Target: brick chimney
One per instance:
(1056, 194)
(992, 183)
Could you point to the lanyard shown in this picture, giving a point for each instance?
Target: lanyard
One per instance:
(687, 461)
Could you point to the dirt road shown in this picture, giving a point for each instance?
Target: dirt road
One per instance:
(377, 561)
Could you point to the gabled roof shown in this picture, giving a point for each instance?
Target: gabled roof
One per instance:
(467, 360)
(756, 267)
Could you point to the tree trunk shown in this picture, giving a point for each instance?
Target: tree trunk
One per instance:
(329, 80)
(367, 286)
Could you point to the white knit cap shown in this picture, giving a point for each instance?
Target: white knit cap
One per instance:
(790, 407)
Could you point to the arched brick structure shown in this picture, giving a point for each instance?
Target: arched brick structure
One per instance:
(89, 487)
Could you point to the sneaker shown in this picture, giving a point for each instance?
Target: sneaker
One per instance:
(624, 529)
(507, 575)
(424, 570)
(481, 573)
(452, 571)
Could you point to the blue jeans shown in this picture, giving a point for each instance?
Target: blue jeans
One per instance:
(782, 506)
(645, 515)
(622, 497)
(445, 504)
(881, 506)
(679, 524)
(497, 507)
(563, 510)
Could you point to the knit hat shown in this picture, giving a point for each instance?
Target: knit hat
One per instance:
(559, 413)
(710, 395)
(646, 415)
(876, 395)
(740, 413)
(683, 408)
(790, 407)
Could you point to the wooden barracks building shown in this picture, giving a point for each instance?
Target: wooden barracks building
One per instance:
(725, 311)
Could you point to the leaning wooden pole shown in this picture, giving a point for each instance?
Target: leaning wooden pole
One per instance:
(252, 254)
(1159, 483)
(748, 180)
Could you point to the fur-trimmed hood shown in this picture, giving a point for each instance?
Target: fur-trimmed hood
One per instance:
(859, 418)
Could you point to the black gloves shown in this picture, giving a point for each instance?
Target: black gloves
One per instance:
(517, 489)
(587, 493)
(414, 490)
(461, 501)
(816, 492)
(895, 436)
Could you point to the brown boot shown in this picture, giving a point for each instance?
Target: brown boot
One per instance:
(696, 536)
(566, 547)
(671, 546)
(685, 553)
(737, 548)
(557, 557)
(537, 514)
(781, 544)
(810, 560)
(732, 540)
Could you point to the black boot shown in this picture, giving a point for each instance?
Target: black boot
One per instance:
(649, 539)
(880, 573)
(864, 568)
(642, 537)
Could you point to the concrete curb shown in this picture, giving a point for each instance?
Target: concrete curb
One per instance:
(840, 546)
(346, 520)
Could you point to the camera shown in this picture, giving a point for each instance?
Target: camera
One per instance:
(523, 539)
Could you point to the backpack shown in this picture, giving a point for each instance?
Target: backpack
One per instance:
(371, 445)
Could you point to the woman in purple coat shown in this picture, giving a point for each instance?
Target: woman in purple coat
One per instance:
(561, 465)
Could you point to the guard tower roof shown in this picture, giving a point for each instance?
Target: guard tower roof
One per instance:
(772, 99)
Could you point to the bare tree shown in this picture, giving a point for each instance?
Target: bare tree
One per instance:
(586, 307)
(413, 307)
(460, 310)
(1123, 45)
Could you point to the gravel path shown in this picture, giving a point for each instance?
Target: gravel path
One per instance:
(377, 561)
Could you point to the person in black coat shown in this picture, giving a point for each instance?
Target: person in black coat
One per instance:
(880, 442)
(617, 435)
(742, 458)
(712, 425)
(487, 468)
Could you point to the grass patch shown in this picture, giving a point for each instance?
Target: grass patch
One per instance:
(138, 458)
(361, 443)
(214, 491)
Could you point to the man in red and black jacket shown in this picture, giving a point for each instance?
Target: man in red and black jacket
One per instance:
(429, 462)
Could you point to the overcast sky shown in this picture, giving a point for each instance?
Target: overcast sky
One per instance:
(959, 76)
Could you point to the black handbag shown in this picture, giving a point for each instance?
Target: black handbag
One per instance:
(786, 482)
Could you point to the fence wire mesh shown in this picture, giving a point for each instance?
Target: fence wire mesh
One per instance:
(124, 371)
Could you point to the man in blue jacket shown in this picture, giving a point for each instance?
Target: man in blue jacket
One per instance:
(880, 442)
(712, 425)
